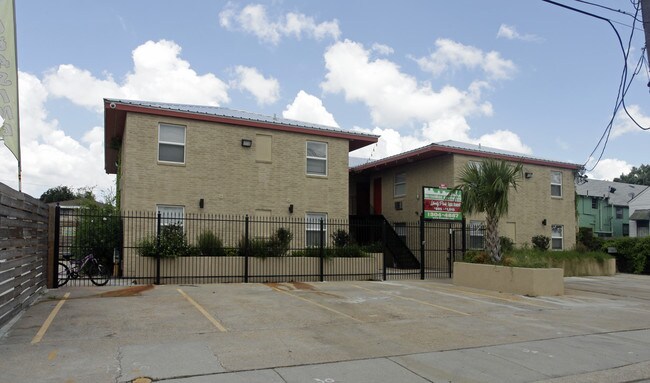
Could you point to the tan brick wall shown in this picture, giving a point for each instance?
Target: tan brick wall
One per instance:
(226, 175)
(531, 204)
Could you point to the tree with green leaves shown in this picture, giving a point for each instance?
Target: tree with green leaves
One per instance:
(637, 176)
(485, 188)
(64, 193)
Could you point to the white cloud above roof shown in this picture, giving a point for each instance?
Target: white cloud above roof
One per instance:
(159, 74)
(309, 108)
(510, 32)
(265, 90)
(451, 55)
(254, 19)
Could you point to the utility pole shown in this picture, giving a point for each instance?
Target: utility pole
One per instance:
(645, 14)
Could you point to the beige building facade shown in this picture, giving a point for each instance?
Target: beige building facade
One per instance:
(185, 159)
(544, 203)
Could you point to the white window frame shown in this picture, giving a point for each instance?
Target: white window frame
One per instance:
(314, 158)
(618, 209)
(312, 224)
(168, 217)
(171, 143)
(556, 184)
(555, 237)
(399, 184)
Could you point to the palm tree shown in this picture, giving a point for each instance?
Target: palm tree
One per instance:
(485, 188)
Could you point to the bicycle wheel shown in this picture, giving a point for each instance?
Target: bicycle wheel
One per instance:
(98, 274)
(63, 274)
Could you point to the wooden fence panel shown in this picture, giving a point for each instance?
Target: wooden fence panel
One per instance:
(23, 251)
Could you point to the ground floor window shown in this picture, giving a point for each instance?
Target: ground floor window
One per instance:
(171, 214)
(557, 237)
(476, 235)
(312, 231)
(626, 230)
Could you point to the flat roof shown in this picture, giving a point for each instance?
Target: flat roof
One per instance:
(455, 147)
(115, 111)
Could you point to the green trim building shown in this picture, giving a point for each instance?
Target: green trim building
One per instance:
(603, 206)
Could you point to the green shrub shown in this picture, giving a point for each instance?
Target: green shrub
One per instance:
(276, 246)
(210, 244)
(477, 256)
(341, 238)
(585, 237)
(506, 244)
(173, 243)
(631, 254)
(540, 242)
(375, 247)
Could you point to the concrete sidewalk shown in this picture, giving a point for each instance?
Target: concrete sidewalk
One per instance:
(397, 331)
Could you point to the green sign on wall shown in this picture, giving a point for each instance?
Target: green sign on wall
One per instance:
(441, 203)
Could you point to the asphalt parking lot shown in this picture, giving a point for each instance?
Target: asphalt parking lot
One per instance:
(393, 331)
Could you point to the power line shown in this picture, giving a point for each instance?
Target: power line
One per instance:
(624, 85)
(610, 9)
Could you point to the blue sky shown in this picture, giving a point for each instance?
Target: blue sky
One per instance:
(524, 76)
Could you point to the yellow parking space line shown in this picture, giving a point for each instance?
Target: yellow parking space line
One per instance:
(316, 304)
(41, 332)
(492, 296)
(206, 314)
(414, 300)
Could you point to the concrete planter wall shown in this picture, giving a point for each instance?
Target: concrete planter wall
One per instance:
(515, 280)
(583, 267)
(272, 269)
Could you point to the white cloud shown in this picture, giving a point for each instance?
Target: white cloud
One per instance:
(308, 108)
(253, 19)
(392, 142)
(159, 74)
(623, 124)
(393, 97)
(451, 55)
(608, 169)
(382, 49)
(50, 157)
(510, 32)
(265, 90)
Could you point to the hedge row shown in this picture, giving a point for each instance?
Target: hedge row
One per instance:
(632, 254)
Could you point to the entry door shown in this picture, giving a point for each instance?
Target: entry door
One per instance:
(376, 195)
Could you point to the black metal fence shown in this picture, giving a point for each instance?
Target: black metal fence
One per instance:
(144, 248)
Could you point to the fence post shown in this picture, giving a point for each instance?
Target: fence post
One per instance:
(321, 249)
(464, 239)
(452, 238)
(57, 239)
(422, 242)
(158, 227)
(383, 248)
(246, 248)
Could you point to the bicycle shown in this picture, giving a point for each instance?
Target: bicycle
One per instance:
(89, 266)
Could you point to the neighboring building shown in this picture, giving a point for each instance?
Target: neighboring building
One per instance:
(640, 214)
(603, 206)
(544, 203)
(184, 159)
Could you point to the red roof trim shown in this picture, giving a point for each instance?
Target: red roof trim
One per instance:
(433, 150)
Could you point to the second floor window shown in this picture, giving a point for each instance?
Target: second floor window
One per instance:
(171, 143)
(619, 212)
(316, 158)
(556, 184)
(400, 185)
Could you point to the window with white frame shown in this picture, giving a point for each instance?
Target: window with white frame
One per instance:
(619, 212)
(171, 143)
(316, 158)
(556, 184)
(476, 235)
(557, 237)
(399, 189)
(171, 214)
(312, 228)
